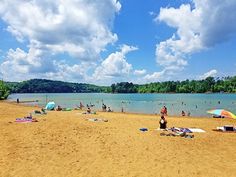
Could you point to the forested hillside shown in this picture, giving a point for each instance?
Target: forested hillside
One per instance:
(208, 85)
(49, 86)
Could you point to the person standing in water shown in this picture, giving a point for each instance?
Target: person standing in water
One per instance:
(164, 111)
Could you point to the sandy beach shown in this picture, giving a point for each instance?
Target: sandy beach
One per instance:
(67, 144)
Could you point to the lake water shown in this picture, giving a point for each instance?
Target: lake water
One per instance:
(196, 104)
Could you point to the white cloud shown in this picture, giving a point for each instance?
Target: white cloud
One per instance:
(79, 28)
(156, 76)
(82, 29)
(172, 52)
(20, 65)
(72, 73)
(115, 65)
(166, 74)
(140, 72)
(211, 73)
(218, 20)
(199, 26)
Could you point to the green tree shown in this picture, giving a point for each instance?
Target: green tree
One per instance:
(4, 91)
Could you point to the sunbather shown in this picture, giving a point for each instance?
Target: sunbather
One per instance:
(88, 110)
(163, 122)
(43, 111)
(37, 112)
(59, 108)
(29, 117)
(181, 134)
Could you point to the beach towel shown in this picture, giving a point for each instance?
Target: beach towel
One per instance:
(88, 113)
(186, 130)
(66, 109)
(97, 120)
(176, 129)
(143, 129)
(197, 130)
(25, 120)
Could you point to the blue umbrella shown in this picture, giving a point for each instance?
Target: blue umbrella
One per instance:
(50, 106)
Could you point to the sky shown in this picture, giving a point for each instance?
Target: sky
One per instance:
(108, 41)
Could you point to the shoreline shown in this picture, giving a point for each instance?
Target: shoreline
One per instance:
(197, 105)
(115, 112)
(127, 93)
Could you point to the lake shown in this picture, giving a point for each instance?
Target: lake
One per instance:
(196, 104)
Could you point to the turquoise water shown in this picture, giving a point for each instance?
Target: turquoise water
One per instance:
(196, 104)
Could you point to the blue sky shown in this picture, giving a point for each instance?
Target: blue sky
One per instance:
(108, 41)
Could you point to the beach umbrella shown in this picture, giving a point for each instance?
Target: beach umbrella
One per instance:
(50, 106)
(222, 112)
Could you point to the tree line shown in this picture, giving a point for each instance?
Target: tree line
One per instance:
(50, 86)
(208, 85)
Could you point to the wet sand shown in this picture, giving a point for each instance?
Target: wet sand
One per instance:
(67, 144)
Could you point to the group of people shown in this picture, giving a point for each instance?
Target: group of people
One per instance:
(174, 132)
(163, 113)
(184, 114)
(105, 109)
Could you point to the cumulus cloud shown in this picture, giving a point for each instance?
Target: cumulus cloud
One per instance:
(218, 21)
(199, 26)
(211, 73)
(186, 40)
(140, 72)
(20, 65)
(79, 28)
(154, 76)
(115, 65)
(70, 72)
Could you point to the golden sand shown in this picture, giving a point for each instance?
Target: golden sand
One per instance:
(66, 144)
